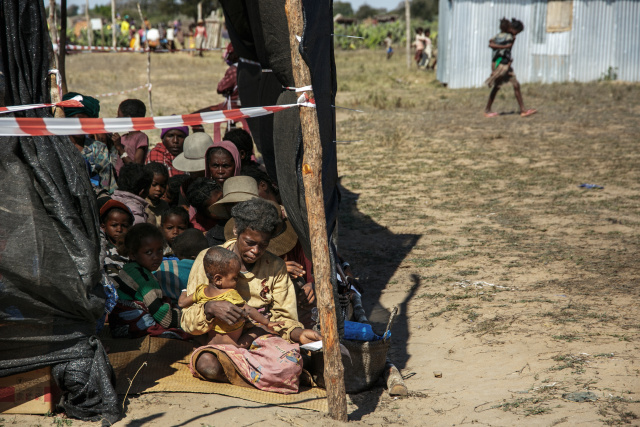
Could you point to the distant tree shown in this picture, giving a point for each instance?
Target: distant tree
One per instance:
(420, 9)
(365, 11)
(73, 10)
(342, 7)
(190, 7)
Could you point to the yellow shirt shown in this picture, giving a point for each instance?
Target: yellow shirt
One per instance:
(230, 295)
(269, 273)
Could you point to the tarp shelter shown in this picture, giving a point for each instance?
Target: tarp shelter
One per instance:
(51, 291)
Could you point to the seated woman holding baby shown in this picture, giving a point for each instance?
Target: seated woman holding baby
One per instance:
(262, 282)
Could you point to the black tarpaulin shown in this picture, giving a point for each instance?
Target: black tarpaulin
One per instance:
(50, 278)
(259, 32)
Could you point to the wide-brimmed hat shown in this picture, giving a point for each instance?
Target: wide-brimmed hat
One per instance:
(235, 189)
(192, 158)
(281, 243)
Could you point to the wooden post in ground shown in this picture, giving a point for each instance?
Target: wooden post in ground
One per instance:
(53, 33)
(312, 178)
(146, 46)
(114, 35)
(89, 29)
(62, 46)
(407, 18)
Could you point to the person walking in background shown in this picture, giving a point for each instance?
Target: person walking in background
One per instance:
(201, 36)
(419, 45)
(502, 73)
(428, 49)
(388, 42)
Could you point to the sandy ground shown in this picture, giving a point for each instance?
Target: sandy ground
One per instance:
(512, 281)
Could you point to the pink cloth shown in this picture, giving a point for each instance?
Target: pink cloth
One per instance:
(270, 364)
(137, 204)
(231, 148)
(132, 141)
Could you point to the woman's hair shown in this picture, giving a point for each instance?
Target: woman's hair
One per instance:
(257, 214)
(219, 260)
(157, 169)
(177, 211)
(134, 178)
(133, 238)
(173, 188)
(260, 176)
(132, 108)
(189, 244)
(199, 192)
(517, 25)
(505, 24)
(211, 151)
(241, 139)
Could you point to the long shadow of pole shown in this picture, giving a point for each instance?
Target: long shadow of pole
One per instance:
(375, 254)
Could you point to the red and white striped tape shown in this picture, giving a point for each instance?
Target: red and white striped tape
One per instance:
(12, 126)
(73, 102)
(76, 47)
(122, 92)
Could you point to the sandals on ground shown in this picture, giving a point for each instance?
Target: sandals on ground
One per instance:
(491, 114)
(528, 112)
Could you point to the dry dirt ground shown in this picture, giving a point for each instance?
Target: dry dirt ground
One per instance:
(512, 281)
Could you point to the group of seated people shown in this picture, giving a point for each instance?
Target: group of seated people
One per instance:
(196, 245)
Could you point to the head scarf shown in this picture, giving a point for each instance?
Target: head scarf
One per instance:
(91, 106)
(231, 148)
(184, 129)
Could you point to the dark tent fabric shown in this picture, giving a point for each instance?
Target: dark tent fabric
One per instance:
(259, 32)
(51, 292)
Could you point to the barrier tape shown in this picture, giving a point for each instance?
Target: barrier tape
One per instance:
(75, 47)
(122, 92)
(73, 102)
(298, 89)
(12, 126)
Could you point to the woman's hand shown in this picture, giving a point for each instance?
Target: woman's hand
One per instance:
(294, 269)
(309, 293)
(304, 336)
(223, 311)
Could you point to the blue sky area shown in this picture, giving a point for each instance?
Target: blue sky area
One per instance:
(387, 4)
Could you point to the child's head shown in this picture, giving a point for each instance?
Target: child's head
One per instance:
(160, 180)
(505, 25)
(266, 188)
(132, 108)
(243, 141)
(145, 245)
(134, 178)
(427, 32)
(115, 220)
(389, 34)
(419, 30)
(172, 195)
(174, 222)
(202, 193)
(222, 267)
(189, 244)
(516, 26)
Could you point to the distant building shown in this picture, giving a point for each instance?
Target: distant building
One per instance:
(563, 40)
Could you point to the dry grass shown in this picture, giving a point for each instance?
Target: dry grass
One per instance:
(462, 202)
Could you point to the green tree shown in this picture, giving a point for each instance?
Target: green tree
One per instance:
(420, 9)
(365, 11)
(73, 10)
(342, 7)
(190, 7)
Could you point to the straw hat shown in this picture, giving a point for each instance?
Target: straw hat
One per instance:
(235, 189)
(192, 158)
(284, 240)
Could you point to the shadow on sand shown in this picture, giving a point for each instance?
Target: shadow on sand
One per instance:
(376, 253)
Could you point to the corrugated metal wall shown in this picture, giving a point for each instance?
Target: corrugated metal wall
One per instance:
(604, 33)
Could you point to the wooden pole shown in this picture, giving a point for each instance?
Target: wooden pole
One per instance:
(89, 29)
(53, 33)
(407, 18)
(114, 35)
(146, 46)
(312, 178)
(62, 46)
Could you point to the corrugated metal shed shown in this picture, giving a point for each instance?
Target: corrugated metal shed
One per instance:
(603, 34)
